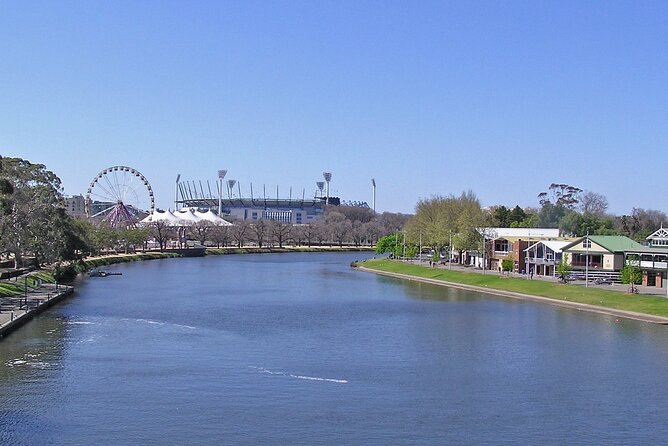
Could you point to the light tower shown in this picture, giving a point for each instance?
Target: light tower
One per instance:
(373, 184)
(321, 186)
(230, 187)
(176, 193)
(221, 176)
(328, 178)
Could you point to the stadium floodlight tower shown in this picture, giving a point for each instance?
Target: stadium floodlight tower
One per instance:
(176, 193)
(328, 178)
(221, 176)
(230, 187)
(373, 184)
(321, 186)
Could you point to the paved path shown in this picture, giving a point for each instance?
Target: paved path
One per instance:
(16, 310)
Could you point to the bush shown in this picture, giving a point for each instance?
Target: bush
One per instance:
(631, 274)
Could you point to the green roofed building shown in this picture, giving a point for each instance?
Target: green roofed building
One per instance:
(609, 253)
(605, 252)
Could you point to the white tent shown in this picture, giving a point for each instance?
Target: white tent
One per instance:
(212, 218)
(166, 216)
(187, 217)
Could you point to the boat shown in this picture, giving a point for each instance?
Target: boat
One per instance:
(100, 273)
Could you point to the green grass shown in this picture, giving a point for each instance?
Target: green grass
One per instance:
(10, 287)
(653, 305)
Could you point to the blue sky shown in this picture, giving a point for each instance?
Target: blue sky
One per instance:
(429, 98)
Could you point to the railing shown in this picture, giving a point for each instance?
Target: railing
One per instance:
(651, 265)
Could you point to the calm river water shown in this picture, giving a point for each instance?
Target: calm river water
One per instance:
(301, 349)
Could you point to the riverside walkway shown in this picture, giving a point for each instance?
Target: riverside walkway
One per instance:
(17, 310)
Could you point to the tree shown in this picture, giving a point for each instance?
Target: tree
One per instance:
(259, 229)
(508, 264)
(200, 230)
(561, 194)
(641, 223)
(239, 232)
(220, 235)
(30, 198)
(439, 219)
(340, 230)
(161, 232)
(564, 268)
(576, 224)
(592, 203)
(631, 274)
(388, 243)
(280, 232)
(550, 215)
(308, 232)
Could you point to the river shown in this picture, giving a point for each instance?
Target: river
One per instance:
(302, 349)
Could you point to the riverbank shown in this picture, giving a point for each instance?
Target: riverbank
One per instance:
(644, 308)
(15, 311)
(267, 250)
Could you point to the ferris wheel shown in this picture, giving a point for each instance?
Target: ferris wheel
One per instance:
(119, 196)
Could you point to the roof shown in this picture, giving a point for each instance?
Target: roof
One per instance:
(184, 217)
(612, 243)
(658, 234)
(554, 245)
(519, 233)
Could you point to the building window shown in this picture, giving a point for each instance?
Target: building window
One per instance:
(586, 243)
(501, 245)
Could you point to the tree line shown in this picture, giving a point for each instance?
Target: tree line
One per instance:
(35, 229)
(456, 222)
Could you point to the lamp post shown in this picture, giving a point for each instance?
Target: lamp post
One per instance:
(587, 260)
(404, 249)
(450, 252)
(221, 176)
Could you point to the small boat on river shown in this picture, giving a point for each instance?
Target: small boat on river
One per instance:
(100, 273)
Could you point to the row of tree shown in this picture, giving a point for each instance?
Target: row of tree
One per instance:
(35, 228)
(457, 222)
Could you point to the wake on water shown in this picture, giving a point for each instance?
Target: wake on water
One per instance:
(289, 375)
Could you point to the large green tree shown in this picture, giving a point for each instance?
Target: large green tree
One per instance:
(31, 224)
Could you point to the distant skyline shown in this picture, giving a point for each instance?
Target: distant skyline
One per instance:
(429, 97)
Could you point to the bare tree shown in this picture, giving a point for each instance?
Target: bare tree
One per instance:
(259, 230)
(592, 203)
(200, 230)
(161, 232)
(340, 231)
(240, 232)
(220, 235)
(280, 232)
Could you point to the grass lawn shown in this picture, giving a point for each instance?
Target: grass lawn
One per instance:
(654, 305)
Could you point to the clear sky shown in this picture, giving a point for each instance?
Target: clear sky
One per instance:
(429, 98)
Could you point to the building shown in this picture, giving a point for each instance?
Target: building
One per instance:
(74, 206)
(653, 259)
(602, 252)
(543, 257)
(505, 243)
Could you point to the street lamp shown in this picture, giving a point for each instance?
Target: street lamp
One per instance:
(587, 242)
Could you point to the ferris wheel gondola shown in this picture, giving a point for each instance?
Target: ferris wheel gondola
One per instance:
(119, 196)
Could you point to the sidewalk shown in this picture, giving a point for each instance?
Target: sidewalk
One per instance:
(16, 310)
